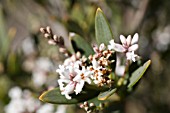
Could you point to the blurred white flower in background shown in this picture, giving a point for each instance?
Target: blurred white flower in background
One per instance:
(15, 92)
(61, 109)
(42, 67)
(28, 46)
(46, 108)
(24, 102)
(162, 38)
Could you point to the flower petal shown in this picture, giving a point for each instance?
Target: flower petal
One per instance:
(77, 78)
(102, 47)
(119, 48)
(69, 89)
(122, 39)
(135, 39)
(133, 47)
(128, 40)
(79, 87)
(110, 47)
(131, 56)
(68, 96)
(88, 80)
(95, 64)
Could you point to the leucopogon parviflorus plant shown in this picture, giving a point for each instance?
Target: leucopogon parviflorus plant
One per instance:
(93, 76)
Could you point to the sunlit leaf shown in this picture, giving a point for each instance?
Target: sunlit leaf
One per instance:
(106, 94)
(102, 28)
(136, 75)
(54, 96)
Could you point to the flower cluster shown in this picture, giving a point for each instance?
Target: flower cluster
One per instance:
(73, 78)
(21, 101)
(100, 65)
(24, 102)
(78, 70)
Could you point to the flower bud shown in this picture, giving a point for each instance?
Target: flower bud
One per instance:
(51, 42)
(43, 30)
(49, 30)
(46, 35)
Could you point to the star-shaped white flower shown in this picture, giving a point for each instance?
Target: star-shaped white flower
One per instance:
(97, 72)
(82, 77)
(131, 56)
(72, 79)
(128, 44)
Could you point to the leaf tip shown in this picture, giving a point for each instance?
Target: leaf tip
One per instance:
(72, 34)
(41, 97)
(99, 10)
(101, 98)
(149, 61)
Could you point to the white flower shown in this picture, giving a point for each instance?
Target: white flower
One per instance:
(30, 103)
(61, 109)
(22, 103)
(131, 56)
(15, 92)
(72, 79)
(46, 108)
(128, 44)
(28, 46)
(15, 106)
(97, 72)
(82, 77)
(42, 67)
(39, 78)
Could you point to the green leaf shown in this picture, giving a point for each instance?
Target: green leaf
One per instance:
(4, 40)
(136, 75)
(54, 96)
(94, 87)
(79, 44)
(106, 94)
(102, 28)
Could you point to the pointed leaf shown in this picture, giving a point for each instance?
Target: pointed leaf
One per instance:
(54, 96)
(106, 94)
(102, 28)
(79, 44)
(136, 75)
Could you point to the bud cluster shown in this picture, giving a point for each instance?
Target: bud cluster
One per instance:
(88, 107)
(54, 40)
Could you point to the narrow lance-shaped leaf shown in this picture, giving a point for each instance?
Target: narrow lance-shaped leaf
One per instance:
(79, 44)
(4, 41)
(136, 75)
(102, 28)
(54, 96)
(106, 94)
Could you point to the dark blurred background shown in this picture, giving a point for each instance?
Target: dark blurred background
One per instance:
(22, 47)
